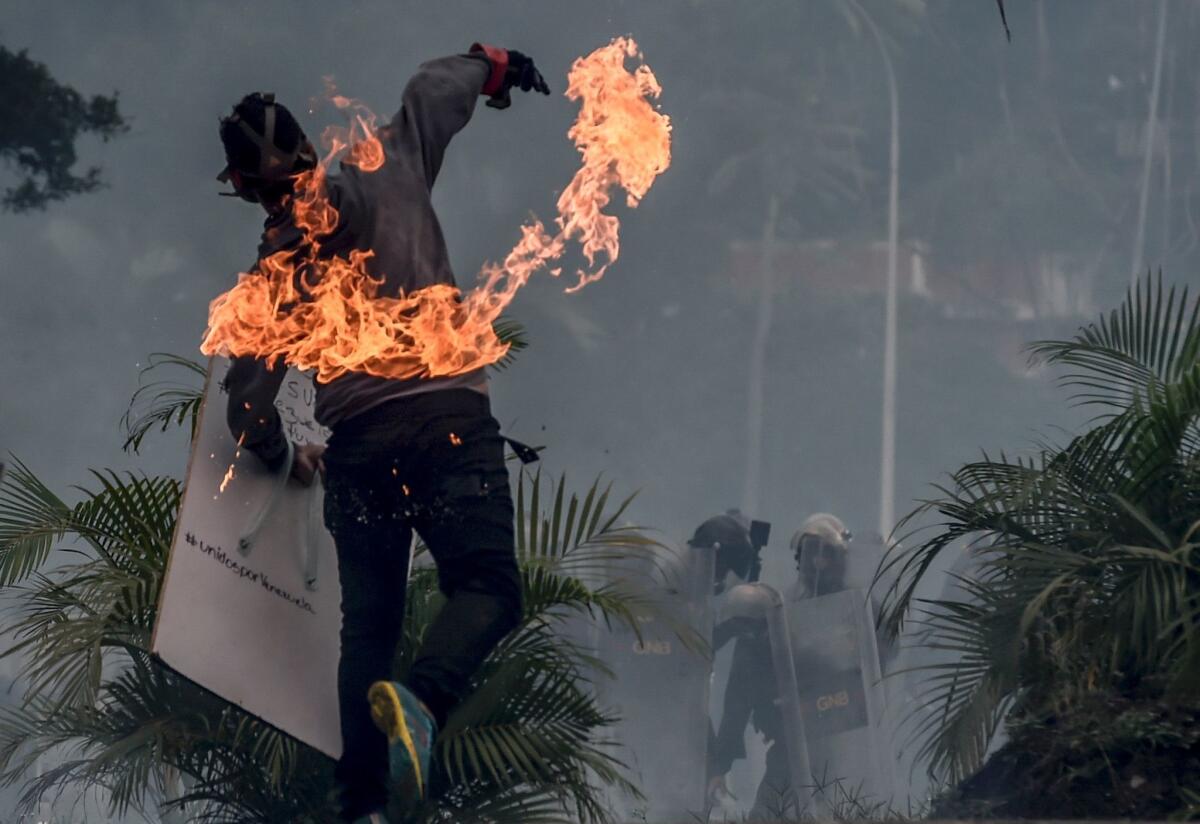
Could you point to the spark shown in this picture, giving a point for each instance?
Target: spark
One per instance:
(229, 473)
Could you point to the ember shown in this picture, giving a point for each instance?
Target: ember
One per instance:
(229, 473)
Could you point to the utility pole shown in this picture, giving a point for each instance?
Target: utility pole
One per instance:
(1139, 243)
(756, 393)
(887, 463)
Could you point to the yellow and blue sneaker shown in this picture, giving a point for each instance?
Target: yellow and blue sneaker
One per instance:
(410, 730)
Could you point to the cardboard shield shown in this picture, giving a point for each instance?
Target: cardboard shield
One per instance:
(658, 686)
(841, 696)
(250, 606)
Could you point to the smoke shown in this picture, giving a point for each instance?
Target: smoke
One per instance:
(1018, 164)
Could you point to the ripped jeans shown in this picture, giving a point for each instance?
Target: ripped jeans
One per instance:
(433, 463)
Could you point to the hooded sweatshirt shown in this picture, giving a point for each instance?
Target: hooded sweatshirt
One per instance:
(388, 211)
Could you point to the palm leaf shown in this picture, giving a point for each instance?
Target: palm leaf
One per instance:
(1151, 339)
(32, 518)
(1086, 569)
(162, 404)
(579, 536)
(128, 516)
(512, 333)
(526, 745)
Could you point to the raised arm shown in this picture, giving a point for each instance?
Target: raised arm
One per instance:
(440, 99)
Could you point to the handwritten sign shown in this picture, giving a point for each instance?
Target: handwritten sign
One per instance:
(242, 571)
(278, 594)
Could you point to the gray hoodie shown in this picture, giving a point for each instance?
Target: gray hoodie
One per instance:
(388, 211)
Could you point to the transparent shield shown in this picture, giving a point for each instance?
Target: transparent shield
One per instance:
(822, 568)
(841, 695)
(657, 684)
(794, 794)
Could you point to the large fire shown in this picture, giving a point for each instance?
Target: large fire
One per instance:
(340, 323)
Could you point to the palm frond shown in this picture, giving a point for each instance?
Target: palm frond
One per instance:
(527, 745)
(512, 333)
(126, 518)
(579, 536)
(1085, 557)
(32, 518)
(539, 804)
(1150, 340)
(164, 403)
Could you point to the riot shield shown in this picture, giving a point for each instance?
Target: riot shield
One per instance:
(657, 685)
(840, 693)
(250, 605)
(793, 791)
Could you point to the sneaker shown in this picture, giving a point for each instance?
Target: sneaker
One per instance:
(410, 730)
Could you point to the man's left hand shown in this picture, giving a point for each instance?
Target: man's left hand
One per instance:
(307, 462)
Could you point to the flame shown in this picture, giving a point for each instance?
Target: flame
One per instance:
(365, 150)
(340, 323)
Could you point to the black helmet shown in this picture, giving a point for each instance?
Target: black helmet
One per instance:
(264, 147)
(729, 536)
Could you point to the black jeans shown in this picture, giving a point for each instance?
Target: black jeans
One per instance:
(434, 463)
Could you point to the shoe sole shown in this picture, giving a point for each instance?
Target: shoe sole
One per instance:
(388, 714)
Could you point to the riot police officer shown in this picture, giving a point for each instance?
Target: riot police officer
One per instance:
(735, 561)
(729, 535)
(820, 549)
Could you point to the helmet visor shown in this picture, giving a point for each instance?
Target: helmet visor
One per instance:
(821, 564)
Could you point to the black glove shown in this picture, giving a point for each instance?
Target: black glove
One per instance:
(521, 74)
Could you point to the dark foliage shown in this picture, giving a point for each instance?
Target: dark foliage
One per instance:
(82, 584)
(40, 121)
(1104, 755)
(1076, 623)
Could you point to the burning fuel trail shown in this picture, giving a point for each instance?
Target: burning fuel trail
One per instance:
(325, 313)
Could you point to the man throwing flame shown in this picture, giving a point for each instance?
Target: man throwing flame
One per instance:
(418, 453)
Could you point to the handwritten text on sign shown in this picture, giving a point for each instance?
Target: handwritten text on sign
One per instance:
(244, 572)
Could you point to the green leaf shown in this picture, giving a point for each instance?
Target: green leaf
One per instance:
(164, 403)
